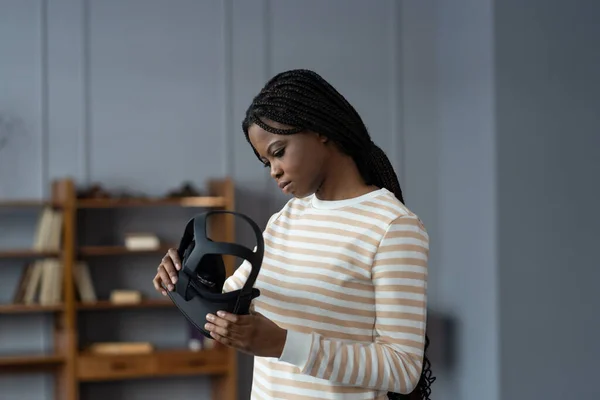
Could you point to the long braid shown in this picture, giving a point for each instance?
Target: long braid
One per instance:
(303, 100)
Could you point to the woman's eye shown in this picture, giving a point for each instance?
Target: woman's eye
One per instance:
(279, 153)
(267, 165)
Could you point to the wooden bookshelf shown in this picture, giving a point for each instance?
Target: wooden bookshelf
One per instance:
(26, 253)
(160, 363)
(29, 362)
(201, 201)
(108, 305)
(99, 251)
(72, 366)
(16, 204)
(29, 309)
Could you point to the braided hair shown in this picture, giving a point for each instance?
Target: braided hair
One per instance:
(304, 101)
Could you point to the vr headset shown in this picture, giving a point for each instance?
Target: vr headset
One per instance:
(199, 287)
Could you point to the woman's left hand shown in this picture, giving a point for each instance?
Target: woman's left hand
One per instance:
(253, 334)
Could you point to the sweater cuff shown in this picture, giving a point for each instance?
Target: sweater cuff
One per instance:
(297, 348)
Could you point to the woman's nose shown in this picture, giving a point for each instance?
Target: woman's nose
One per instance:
(276, 171)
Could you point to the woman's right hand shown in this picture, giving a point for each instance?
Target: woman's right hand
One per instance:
(166, 275)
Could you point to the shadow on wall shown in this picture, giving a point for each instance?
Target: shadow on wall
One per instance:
(442, 351)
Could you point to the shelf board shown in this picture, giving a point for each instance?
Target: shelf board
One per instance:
(92, 251)
(108, 305)
(27, 253)
(29, 361)
(200, 201)
(105, 367)
(25, 203)
(29, 308)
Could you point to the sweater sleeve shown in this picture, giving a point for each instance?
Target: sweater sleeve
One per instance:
(394, 360)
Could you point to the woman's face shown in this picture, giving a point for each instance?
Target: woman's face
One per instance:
(297, 162)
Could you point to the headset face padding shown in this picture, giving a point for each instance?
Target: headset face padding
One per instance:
(198, 290)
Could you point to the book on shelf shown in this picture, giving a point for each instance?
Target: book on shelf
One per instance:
(121, 348)
(84, 283)
(41, 280)
(141, 241)
(48, 234)
(40, 283)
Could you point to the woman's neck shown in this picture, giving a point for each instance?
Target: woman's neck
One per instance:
(342, 181)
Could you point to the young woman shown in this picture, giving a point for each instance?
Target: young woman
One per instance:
(343, 305)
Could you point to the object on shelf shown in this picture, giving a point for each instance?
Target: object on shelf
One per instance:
(83, 282)
(40, 283)
(121, 348)
(124, 296)
(48, 232)
(196, 338)
(187, 189)
(141, 241)
(95, 191)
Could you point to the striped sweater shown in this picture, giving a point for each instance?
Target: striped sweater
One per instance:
(348, 280)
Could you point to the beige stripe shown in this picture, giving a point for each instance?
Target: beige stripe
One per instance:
(401, 261)
(398, 367)
(338, 219)
(341, 322)
(293, 383)
(369, 367)
(369, 214)
(332, 308)
(336, 244)
(354, 365)
(397, 314)
(405, 342)
(406, 228)
(343, 353)
(387, 206)
(401, 247)
(319, 354)
(400, 288)
(341, 309)
(396, 302)
(381, 363)
(296, 207)
(326, 332)
(403, 329)
(320, 253)
(391, 274)
(332, 356)
(421, 317)
(301, 264)
(316, 290)
(406, 235)
(366, 285)
(327, 231)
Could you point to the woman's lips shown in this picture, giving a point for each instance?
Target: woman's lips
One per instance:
(284, 186)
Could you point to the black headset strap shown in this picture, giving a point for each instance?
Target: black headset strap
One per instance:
(255, 258)
(186, 239)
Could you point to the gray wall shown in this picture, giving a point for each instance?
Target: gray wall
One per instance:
(144, 94)
(501, 128)
(449, 153)
(548, 124)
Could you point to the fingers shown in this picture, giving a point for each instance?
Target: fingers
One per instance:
(166, 275)
(224, 328)
(228, 316)
(157, 282)
(172, 253)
